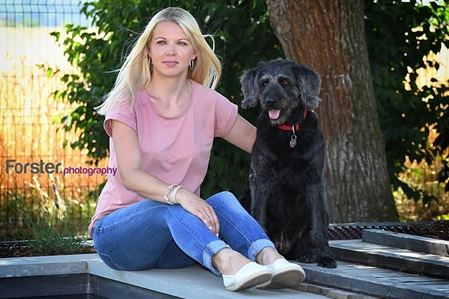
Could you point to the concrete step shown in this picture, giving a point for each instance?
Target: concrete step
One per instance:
(388, 265)
(397, 251)
(406, 241)
(359, 252)
(377, 282)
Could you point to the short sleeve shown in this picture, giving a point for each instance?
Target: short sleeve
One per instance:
(123, 113)
(225, 115)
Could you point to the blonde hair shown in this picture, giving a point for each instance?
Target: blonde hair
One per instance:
(135, 71)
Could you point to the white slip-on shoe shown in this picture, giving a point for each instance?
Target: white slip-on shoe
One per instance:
(250, 275)
(284, 275)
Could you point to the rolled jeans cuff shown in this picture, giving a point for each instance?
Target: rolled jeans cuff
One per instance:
(257, 247)
(212, 249)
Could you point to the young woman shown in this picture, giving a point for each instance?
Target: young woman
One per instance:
(162, 116)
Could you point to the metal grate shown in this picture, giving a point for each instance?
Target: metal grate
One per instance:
(354, 231)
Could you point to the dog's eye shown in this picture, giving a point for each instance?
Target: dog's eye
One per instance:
(263, 84)
(285, 83)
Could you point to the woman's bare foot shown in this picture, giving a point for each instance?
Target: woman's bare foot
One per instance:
(228, 261)
(267, 256)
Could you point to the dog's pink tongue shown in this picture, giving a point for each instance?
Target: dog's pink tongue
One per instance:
(274, 114)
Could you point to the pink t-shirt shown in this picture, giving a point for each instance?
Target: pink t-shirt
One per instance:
(175, 150)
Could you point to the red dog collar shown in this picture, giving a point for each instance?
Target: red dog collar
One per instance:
(292, 128)
(295, 126)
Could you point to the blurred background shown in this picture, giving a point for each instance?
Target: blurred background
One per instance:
(37, 121)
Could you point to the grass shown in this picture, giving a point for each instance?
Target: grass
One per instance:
(53, 232)
(51, 224)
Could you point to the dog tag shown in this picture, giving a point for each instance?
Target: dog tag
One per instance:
(293, 141)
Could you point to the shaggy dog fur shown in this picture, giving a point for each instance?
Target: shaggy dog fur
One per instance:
(287, 186)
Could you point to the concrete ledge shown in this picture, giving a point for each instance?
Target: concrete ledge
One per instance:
(405, 241)
(192, 282)
(70, 274)
(45, 265)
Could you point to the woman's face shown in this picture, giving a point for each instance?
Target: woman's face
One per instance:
(170, 50)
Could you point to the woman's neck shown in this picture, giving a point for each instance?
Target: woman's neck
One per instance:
(170, 96)
(167, 88)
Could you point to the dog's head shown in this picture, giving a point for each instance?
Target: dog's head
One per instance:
(280, 86)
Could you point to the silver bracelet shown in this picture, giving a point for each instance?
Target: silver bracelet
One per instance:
(170, 189)
(173, 194)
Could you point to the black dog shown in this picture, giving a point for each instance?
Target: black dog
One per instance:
(287, 185)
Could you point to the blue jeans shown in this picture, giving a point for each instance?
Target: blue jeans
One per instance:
(150, 234)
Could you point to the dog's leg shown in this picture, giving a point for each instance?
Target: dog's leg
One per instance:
(319, 233)
(245, 199)
(258, 205)
(258, 199)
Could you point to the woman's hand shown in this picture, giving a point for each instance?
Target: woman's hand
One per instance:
(200, 208)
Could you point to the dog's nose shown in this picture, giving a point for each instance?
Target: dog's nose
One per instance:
(270, 101)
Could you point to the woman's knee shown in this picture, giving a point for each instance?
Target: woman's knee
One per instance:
(227, 204)
(223, 197)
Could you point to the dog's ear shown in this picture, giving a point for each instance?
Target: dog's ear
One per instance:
(249, 89)
(310, 83)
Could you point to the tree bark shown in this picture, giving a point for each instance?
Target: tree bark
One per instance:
(329, 37)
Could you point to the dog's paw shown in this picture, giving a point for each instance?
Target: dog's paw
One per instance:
(326, 262)
(307, 258)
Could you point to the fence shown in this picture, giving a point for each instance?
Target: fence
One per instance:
(31, 135)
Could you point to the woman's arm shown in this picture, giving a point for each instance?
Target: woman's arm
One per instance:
(129, 164)
(128, 156)
(242, 134)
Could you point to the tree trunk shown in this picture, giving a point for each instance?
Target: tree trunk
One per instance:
(329, 37)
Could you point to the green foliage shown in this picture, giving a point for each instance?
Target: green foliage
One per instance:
(243, 37)
(399, 35)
